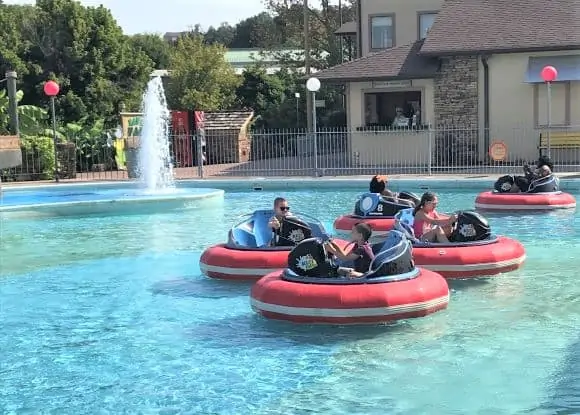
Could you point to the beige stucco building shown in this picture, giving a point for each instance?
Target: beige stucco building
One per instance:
(441, 80)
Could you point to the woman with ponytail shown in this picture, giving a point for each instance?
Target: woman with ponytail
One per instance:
(428, 225)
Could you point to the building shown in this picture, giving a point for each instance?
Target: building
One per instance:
(470, 69)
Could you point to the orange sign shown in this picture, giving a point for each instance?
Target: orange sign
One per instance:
(498, 151)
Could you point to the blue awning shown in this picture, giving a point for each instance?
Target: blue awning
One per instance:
(568, 67)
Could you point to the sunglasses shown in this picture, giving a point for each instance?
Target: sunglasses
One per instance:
(284, 208)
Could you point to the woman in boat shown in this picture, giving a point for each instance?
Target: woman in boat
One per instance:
(428, 225)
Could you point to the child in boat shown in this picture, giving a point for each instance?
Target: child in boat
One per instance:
(359, 251)
(378, 185)
(428, 225)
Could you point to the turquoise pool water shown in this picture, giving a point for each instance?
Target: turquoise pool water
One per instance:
(111, 315)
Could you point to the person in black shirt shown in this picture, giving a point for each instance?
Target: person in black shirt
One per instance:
(281, 211)
(361, 252)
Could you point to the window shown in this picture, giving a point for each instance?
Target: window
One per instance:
(382, 32)
(426, 20)
(560, 104)
(401, 109)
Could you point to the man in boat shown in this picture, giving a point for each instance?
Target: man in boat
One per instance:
(287, 230)
(518, 184)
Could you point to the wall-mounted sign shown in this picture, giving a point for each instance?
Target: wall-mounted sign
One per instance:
(131, 124)
(392, 84)
(498, 151)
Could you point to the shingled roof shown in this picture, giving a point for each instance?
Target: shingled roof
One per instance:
(348, 28)
(400, 62)
(496, 26)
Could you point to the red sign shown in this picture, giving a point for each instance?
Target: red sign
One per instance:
(182, 148)
(498, 151)
(199, 119)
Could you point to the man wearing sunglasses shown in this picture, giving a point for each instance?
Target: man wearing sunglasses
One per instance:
(281, 211)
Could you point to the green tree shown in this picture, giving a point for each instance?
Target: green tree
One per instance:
(154, 47)
(323, 22)
(84, 50)
(13, 18)
(259, 31)
(223, 35)
(200, 76)
(263, 93)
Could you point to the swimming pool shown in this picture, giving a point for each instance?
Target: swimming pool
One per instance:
(109, 314)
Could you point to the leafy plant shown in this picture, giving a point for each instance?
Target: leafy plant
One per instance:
(31, 118)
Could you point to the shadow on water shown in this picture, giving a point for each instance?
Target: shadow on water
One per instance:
(201, 288)
(565, 389)
(468, 284)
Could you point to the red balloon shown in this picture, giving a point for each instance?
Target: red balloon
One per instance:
(549, 73)
(51, 88)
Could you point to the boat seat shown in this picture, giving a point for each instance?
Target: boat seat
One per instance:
(244, 235)
(262, 232)
(395, 257)
(404, 221)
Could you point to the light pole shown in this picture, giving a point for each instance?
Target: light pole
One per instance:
(313, 85)
(297, 96)
(549, 75)
(51, 89)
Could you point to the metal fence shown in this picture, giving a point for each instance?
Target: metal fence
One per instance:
(329, 152)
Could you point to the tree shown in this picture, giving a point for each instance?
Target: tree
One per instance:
(12, 45)
(223, 35)
(323, 22)
(85, 50)
(200, 76)
(259, 31)
(154, 47)
(263, 93)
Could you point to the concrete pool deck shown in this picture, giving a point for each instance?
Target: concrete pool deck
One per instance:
(569, 181)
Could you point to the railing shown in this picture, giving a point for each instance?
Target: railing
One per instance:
(331, 152)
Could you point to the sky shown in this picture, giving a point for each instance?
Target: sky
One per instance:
(138, 16)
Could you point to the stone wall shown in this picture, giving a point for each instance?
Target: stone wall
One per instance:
(457, 111)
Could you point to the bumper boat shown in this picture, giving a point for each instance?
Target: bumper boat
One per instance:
(376, 210)
(472, 251)
(249, 252)
(310, 290)
(543, 194)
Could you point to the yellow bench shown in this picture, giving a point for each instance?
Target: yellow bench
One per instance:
(559, 140)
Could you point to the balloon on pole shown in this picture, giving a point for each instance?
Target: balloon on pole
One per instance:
(549, 73)
(52, 89)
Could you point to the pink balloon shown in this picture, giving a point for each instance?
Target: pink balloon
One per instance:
(51, 88)
(549, 73)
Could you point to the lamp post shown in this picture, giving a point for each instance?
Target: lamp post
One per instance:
(313, 85)
(297, 96)
(51, 89)
(549, 75)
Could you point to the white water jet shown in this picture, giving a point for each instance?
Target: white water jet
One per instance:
(155, 164)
